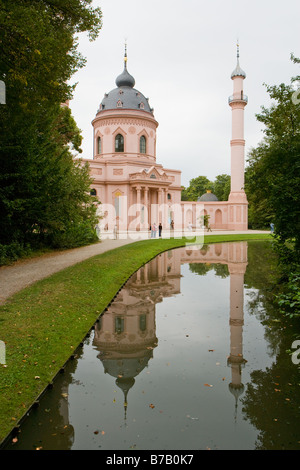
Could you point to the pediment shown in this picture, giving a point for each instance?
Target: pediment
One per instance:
(150, 173)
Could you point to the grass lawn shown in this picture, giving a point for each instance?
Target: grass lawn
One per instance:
(43, 325)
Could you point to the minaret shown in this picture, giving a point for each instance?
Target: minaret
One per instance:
(238, 212)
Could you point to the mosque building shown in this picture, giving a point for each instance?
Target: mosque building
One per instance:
(135, 190)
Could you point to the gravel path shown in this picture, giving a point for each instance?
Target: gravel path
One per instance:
(23, 273)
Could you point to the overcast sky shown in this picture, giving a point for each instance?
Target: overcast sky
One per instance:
(181, 54)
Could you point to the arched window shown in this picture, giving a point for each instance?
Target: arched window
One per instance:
(119, 143)
(143, 144)
(93, 192)
(99, 150)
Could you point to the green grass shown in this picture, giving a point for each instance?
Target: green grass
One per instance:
(43, 325)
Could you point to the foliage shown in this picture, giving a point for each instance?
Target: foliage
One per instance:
(221, 187)
(273, 176)
(205, 220)
(289, 299)
(43, 190)
(199, 185)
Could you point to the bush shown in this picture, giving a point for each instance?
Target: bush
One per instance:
(10, 253)
(289, 299)
(73, 236)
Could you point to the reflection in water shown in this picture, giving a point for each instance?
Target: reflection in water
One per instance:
(147, 320)
(126, 333)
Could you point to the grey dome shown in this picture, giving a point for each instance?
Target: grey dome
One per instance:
(125, 96)
(125, 79)
(208, 197)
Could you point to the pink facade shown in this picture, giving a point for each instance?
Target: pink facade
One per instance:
(134, 190)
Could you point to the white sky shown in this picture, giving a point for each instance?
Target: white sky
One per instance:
(181, 54)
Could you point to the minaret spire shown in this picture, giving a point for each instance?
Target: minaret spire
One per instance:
(125, 54)
(125, 79)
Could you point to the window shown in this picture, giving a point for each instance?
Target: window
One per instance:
(119, 104)
(143, 322)
(93, 192)
(169, 197)
(119, 325)
(119, 143)
(143, 144)
(99, 145)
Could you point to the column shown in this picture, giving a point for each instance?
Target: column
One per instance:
(138, 202)
(146, 217)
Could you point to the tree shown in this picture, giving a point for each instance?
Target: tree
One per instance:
(273, 178)
(221, 187)
(44, 192)
(196, 188)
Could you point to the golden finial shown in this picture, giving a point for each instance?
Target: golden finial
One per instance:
(125, 55)
(237, 49)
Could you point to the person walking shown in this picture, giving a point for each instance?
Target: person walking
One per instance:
(159, 229)
(154, 228)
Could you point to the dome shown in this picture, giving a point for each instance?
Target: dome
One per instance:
(125, 96)
(125, 79)
(208, 196)
(238, 72)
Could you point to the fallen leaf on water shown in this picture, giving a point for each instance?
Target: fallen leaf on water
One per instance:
(211, 350)
(151, 405)
(208, 385)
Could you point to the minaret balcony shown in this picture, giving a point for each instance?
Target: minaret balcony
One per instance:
(238, 97)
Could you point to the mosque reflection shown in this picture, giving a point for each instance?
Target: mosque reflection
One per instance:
(125, 336)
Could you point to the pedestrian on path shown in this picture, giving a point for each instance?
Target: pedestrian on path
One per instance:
(159, 229)
(153, 231)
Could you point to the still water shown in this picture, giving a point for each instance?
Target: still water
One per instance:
(190, 355)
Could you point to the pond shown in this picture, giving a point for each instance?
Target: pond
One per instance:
(191, 354)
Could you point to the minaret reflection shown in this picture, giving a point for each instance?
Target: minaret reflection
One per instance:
(125, 336)
(237, 264)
